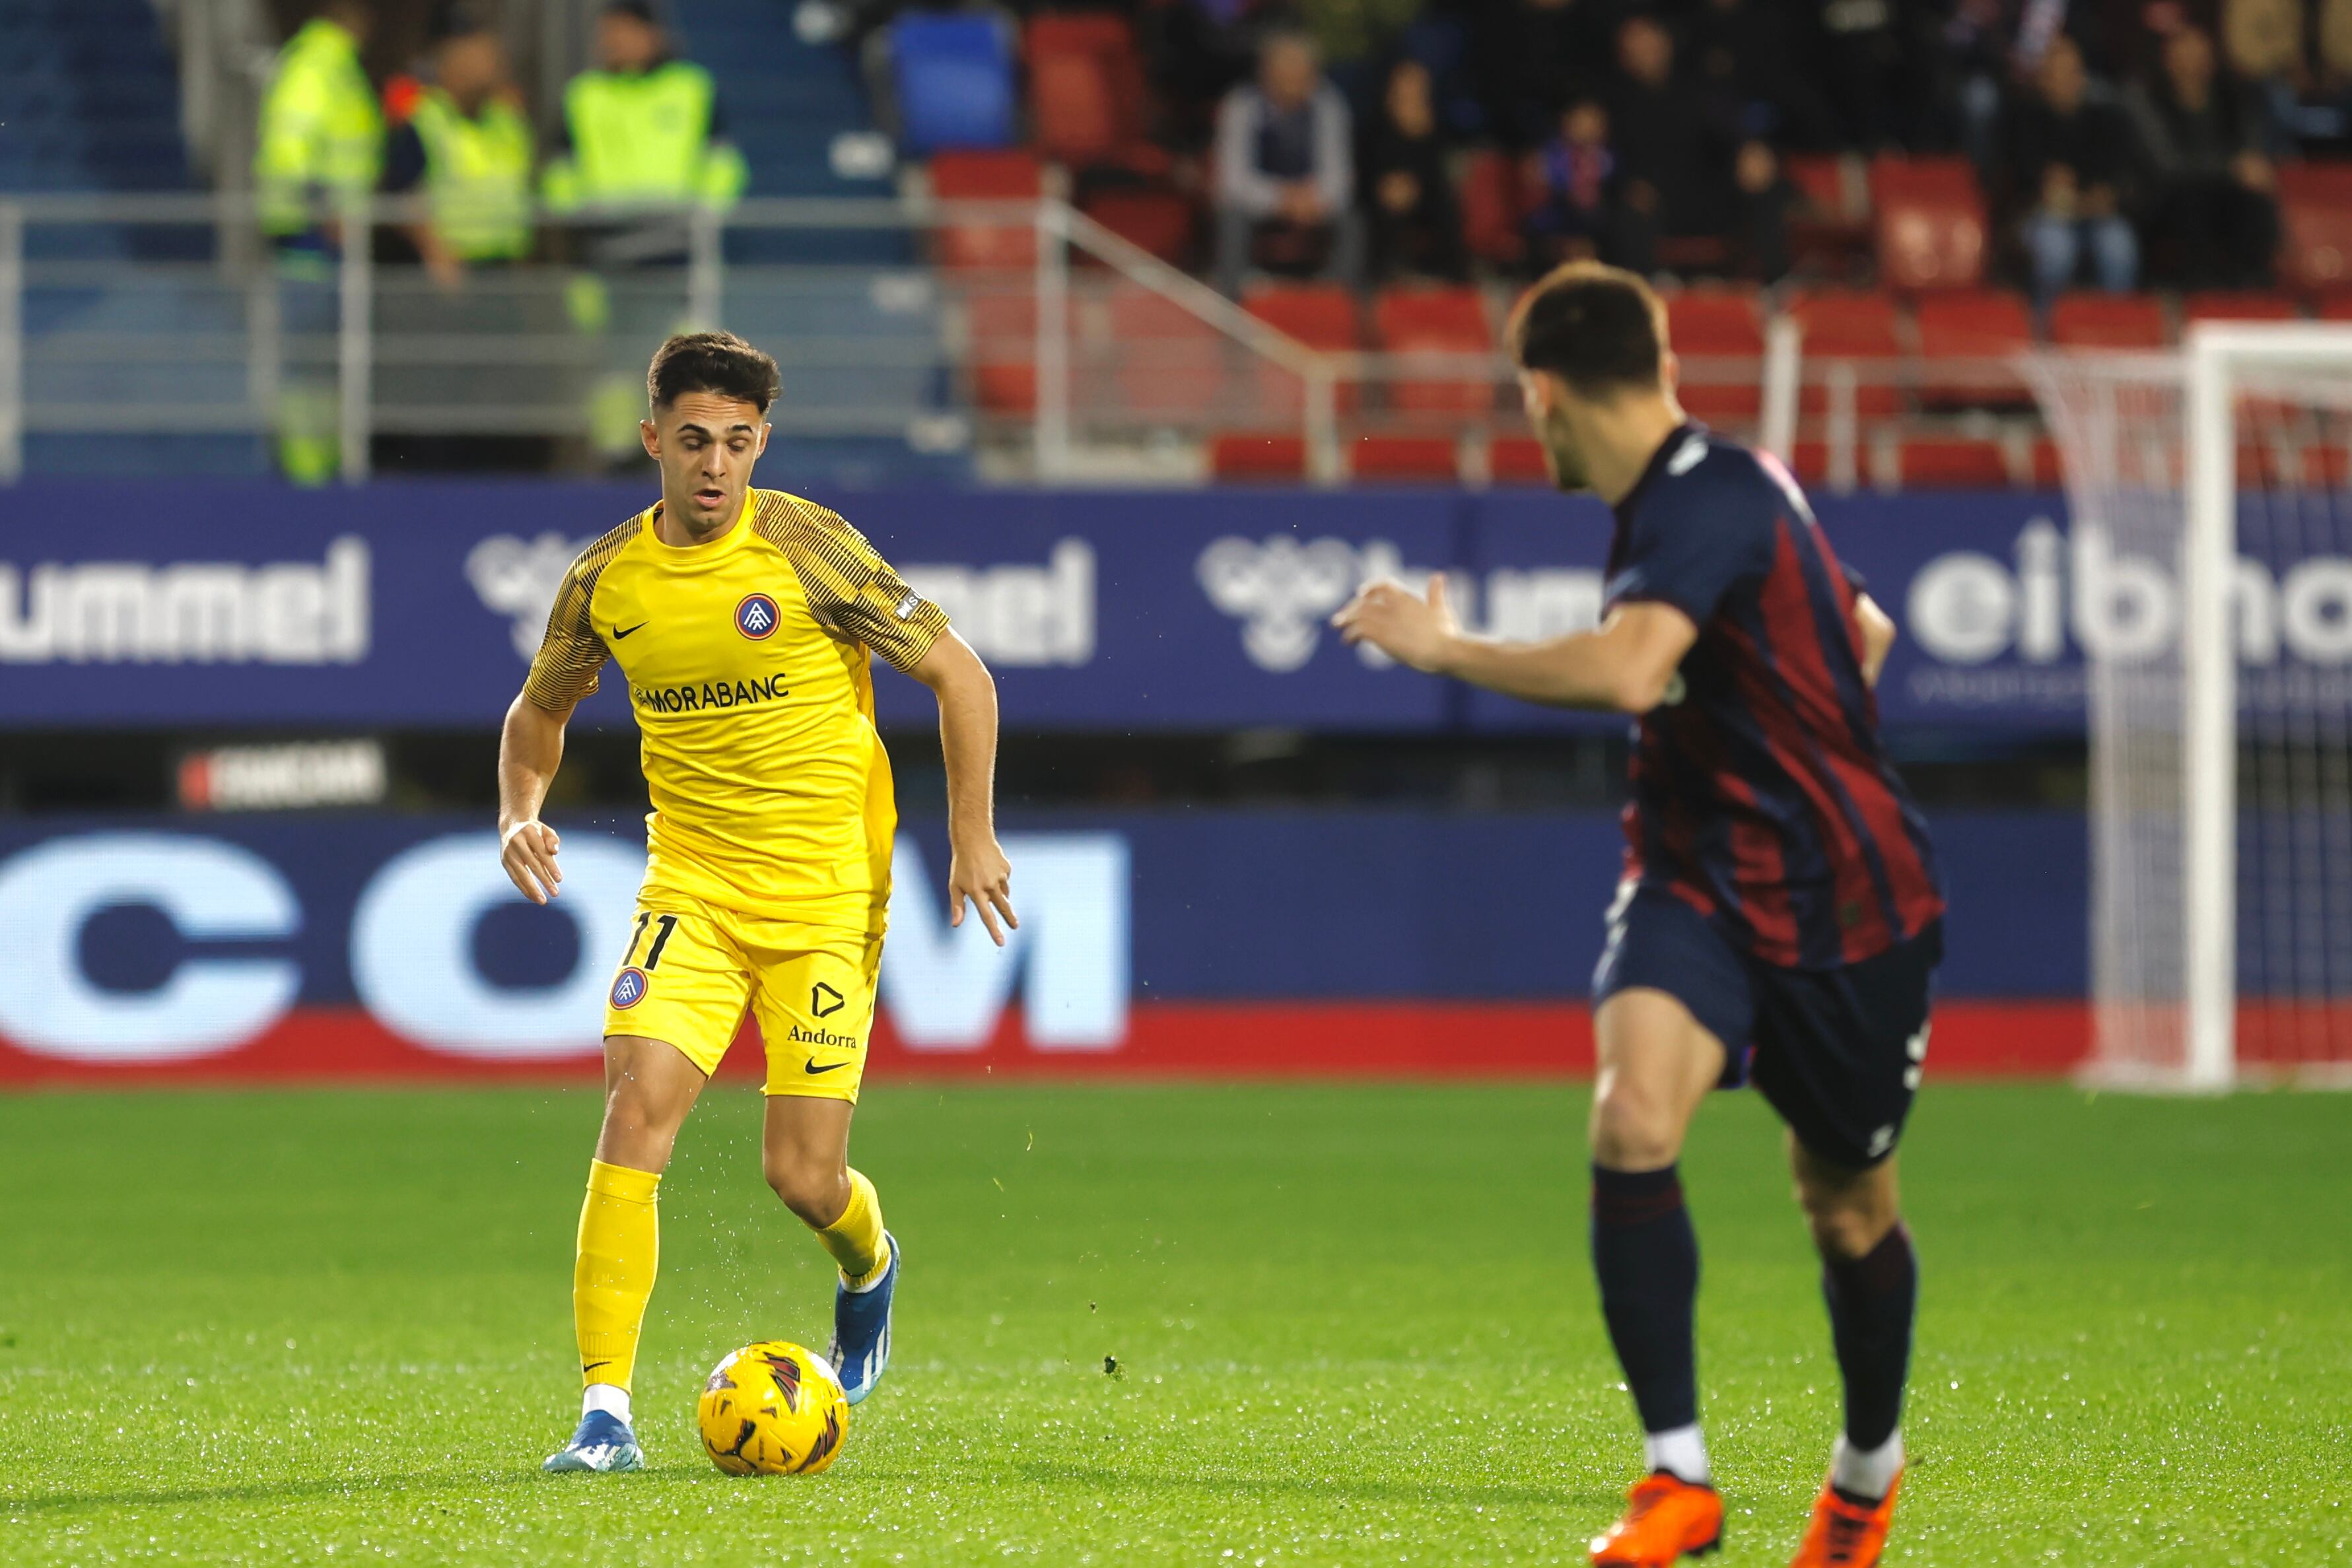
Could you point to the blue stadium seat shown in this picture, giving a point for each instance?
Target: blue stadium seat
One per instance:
(954, 76)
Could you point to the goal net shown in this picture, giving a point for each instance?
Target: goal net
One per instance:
(2210, 497)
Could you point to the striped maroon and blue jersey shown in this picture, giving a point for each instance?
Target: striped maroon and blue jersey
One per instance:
(1762, 794)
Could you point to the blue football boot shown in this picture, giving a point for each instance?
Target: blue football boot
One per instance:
(603, 1442)
(860, 1351)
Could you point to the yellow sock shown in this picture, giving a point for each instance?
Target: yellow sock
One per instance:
(620, 1245)
(856, 1239)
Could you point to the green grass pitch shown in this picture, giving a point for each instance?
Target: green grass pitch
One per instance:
(1353, 1324)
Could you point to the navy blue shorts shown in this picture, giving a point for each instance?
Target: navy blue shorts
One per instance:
(1838, 1053)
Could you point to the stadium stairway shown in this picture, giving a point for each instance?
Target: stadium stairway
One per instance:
(92, 105)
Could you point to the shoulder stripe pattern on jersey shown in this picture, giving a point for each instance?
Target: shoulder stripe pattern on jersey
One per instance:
(850, 589)
(573, 651)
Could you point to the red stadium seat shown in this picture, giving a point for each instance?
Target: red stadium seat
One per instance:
(1087, 96)
(1516, 460)
(1494, 205)
(1832, 229)
(2336, 305)
(1718, 326)
(1842, 324)
(1810, 463)
(1257, 459)
(1319, 315)
(2316, 223)
(1014, 175)
(1965, 339)
(1407, 459)
(2093, 320)
(1435, 322)
(1931, 222)
(1169, 363)
(2048, 473)
(1158, 221)
(1952, 462)
(2237, 305)
(1004, 335)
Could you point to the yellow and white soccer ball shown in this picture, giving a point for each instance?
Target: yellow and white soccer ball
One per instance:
(773, 1409)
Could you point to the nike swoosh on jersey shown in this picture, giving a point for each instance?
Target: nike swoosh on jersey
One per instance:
(812, 1068)
(618, 633)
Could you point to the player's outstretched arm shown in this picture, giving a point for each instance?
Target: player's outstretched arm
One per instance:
(1625, 666)
(530, 748)
(1877, 629)
(977, 869)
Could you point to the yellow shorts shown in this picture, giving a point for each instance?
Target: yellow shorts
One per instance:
(693, 969)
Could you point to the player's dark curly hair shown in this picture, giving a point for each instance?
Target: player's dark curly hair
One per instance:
(718, 362)
(1602, 330)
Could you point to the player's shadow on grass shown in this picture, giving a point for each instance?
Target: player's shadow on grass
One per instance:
(277, 1491)
(1366, 1491)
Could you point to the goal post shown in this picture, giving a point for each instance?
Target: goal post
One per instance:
(2209, 491)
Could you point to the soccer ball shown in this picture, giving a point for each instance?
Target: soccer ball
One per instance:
(773, 1409)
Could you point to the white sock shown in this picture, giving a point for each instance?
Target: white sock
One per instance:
(611, 1398)
(1681, 1452)
(1866, 1472)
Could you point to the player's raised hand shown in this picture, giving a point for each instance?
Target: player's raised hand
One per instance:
(1400, 623)
(980, 873)
(527, 852)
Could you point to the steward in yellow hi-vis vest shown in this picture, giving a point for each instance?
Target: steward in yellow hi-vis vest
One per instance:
(643, 130)
(467, 149)
(746, 622)
(319, 143)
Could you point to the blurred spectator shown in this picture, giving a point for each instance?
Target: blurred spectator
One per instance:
(1416, 222)
(644, 129)
(1673, 155)
(2073, 159)
(321, 139)
(1742, 51)
(2214, 213)
(1348, 34)
(1534, 58)
(2265, 38)
(1861, 68)
(1767, 197)
(467, 147)
(1573, 179)
(641, 138)
(1194, 52)
(1286, 172)
(320, 145)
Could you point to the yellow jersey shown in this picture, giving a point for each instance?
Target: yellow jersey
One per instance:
(749, 670)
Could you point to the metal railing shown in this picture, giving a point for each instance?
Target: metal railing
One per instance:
(1024, 331)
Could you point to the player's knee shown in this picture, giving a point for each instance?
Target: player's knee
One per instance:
(639, 1128)
(1632, 1131)
(1846, 1220)
(814, 1190)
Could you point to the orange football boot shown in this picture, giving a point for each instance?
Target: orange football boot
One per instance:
(1665, 1517)
(1844, 1534)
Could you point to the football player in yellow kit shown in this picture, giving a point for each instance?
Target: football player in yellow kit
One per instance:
(744, 621)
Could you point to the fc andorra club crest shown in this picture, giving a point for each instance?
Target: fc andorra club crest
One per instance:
(629, 987)
(756, 617)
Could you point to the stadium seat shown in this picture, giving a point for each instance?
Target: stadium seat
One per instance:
(1718, 326)
(1159, 221)
(1168, 363)
(2336, 305)
(1516, 460)
(954, 78)
(1257, 459)
(2237, 305)
(1494, 205)
(1322, 316)
(1435, 322)
(1086, 98)
(1012, 175)
(1810, 462)
(2316, 225)
(1966, 337)
(1407, 459)
(1951, 462)
(1002, 331)
(2049, 472)
(2088, 320)
(1845, 324)
(1931, 222)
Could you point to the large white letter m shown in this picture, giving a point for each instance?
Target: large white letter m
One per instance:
(945, 986)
